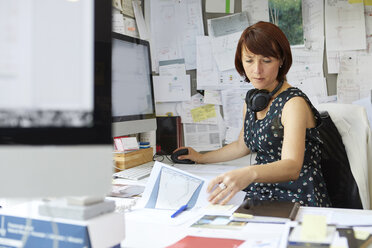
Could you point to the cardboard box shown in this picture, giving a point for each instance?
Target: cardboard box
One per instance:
(130, 159)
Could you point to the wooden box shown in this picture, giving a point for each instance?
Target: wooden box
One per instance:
(130, 159)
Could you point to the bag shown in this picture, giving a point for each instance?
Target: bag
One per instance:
(341, 185)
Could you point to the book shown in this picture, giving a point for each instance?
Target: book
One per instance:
(194, 241)
(270, 211)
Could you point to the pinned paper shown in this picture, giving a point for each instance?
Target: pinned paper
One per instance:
(219, 6)
(204, 112)
(314, 227)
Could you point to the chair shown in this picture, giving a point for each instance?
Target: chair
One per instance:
(346, 152)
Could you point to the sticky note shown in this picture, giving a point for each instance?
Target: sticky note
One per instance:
(355, 1)
(361, 234)
(243, 216)
(314, 228)
(368, 2)
(202, 113)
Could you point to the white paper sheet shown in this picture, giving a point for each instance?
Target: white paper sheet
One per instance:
(174, 26)
(313, 87)
(202, 137)
(175, 189)
(333, 61)
(224, 48)
(212, 97)
(228, 24)
(167, 108)
(345, 25)
(174, 67)
(233, 103)
(118, 23)
(353, 81)
(313, 23)
(142, 28)
(208, 75)
(153, 188)
(258, 10)
(130, 27)
(172, 88)
(207, 171)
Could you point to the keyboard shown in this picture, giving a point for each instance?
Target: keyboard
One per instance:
(135, 173)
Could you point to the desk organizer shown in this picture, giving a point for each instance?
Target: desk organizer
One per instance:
(130, 159)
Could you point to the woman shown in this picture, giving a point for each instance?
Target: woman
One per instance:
(280, 124)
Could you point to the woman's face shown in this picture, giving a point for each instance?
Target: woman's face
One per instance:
(261, 71)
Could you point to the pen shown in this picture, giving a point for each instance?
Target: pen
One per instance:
(180, 210)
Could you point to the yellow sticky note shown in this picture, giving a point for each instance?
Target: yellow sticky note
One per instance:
(367, 2)
(243, 216)
(202, 113)
(314, 227)
(355, 1)
(361, 234)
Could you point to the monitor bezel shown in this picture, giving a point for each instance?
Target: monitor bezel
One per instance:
(100, 131)
(137, 41)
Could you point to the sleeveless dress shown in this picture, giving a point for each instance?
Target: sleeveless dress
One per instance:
(265, 137)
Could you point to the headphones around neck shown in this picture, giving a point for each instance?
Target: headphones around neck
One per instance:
(258, 100)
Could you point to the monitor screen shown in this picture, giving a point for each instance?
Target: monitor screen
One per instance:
(133, 107)
(55, 98)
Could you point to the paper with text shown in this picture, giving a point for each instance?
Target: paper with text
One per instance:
(172, 88)
(164, 190)
(345, 25)
(258, 10)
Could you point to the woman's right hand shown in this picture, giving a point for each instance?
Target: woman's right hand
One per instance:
(193, 155)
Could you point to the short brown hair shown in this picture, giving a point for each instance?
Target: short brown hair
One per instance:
(266, 39)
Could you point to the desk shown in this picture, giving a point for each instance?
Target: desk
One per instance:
(141, 233)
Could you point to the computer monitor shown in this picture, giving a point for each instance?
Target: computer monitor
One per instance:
(133, 106)
(55, 98)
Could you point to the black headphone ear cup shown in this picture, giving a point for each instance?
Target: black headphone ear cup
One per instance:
(260, 100)
(249, 97)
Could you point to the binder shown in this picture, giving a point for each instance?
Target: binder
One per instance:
(271, 211)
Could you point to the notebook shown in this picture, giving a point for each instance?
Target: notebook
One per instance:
(267, 211)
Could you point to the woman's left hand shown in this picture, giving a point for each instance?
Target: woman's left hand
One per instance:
(223, 187)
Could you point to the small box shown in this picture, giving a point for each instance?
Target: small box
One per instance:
(130, 159)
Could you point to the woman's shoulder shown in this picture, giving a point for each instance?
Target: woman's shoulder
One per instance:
(297, 101)
(292, 92)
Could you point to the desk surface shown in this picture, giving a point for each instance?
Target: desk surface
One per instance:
(150, 234)
(153, 232)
